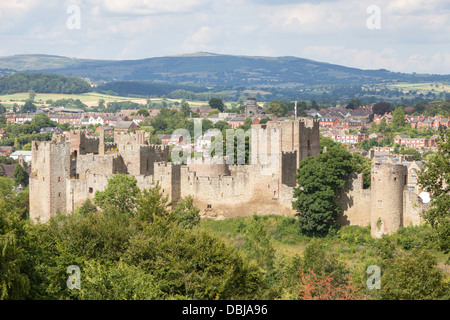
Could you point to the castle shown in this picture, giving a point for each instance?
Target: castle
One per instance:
(67, 171)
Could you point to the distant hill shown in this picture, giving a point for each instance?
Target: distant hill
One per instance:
(212, 69)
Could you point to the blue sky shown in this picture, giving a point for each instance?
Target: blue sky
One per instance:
(398, 35)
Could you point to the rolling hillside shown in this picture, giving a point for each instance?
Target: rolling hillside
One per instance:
(212, 69)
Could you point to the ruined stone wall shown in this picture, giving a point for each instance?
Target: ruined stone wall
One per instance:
(80, 190)
(289, 168)
(413, 207)
(140, 159)
(244, 192)
(81, 144)
(149, 155)
(355, 202)
(216, 189)
(97, 164)
(309, 139)
(137, 138)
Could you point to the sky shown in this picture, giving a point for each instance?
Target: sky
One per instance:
(397, 35)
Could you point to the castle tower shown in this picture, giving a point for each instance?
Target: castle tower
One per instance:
(388, 183)
(289, 141)
(251, 108)
(49, 171)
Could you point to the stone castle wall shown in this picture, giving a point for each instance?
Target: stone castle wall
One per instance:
(413, 208)
(65, 173)
(355, 202)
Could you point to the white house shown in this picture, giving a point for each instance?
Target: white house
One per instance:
(26, 155)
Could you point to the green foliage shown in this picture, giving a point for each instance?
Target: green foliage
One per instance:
(414, 277)
(284, 109)
(42, 83)
(318, 179)
(14, 282)
(256, 243)
(216, 103)
(434, 178)
(142, 112)
(116, 281)
(88, 207)
(398, 118)
(362, 165)
(412, 237)
(120, 194)
(187, 214)
(355, 235)
(28, 107)
(20, 176)
(316, 258)
(151, 204)
(185, 109)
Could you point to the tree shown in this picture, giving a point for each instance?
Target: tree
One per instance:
(434, 178)
(414, 277)
(143, 112)
(119, 195)
(28, 107)
(185, 109)
(380, 108)
(323, 287)
(277, 108)
(318, 179)
(14, 282)
(398, 118)
(257, 244)
(20, 176)
(151, 204)
(42, 121)
(31, 95)
(216, 103)
(101, 104)
(187, 214)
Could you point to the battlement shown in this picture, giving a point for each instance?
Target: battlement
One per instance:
(137, 138)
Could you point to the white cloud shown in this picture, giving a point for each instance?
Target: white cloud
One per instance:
(148, 7)
(415, 34)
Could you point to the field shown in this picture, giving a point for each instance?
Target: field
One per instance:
(421, 87)
(90, 99)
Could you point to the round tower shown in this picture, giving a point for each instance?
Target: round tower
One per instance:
(388, 183)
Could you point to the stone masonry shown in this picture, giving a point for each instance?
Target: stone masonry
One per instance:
(67, 171)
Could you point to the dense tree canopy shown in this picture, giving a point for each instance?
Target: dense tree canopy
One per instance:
(318, 179)
(216, 103)
(435, 179)
(42, 83)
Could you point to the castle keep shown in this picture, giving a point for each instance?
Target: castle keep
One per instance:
(69, 170)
